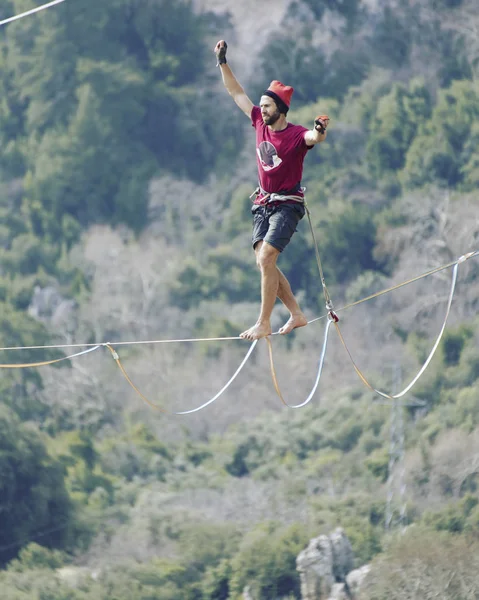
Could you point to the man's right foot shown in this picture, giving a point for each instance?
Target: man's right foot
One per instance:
(293, 322)
(256, 332)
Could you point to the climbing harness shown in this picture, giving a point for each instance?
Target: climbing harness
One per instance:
(281, 196)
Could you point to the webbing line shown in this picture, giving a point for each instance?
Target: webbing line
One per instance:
(318, 376)
(183, 412)
(428, 360)
(47, 362)
(402, 284)
(30, 12)
(129, 343)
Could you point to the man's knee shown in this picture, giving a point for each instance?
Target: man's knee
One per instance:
(266, 256)
(257, 250)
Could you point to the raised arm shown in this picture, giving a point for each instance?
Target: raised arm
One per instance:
(318, 134)
(230, 82)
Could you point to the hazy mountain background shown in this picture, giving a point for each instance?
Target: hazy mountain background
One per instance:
(125, 176)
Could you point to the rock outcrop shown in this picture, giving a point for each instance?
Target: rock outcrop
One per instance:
(324, 566)
(326, 569)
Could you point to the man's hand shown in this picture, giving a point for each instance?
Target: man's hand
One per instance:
(220, 51)
(321, 123)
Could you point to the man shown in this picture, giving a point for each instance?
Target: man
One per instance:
(279, 203)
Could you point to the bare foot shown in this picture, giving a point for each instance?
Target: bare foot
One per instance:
(293, 322)
(256, 332)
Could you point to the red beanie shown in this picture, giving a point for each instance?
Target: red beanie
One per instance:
(284, 92)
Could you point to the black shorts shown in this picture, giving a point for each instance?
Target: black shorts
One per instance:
(276, 224)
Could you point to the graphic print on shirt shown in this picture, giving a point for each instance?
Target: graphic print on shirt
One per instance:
(268, 156)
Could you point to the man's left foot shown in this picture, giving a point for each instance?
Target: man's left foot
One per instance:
(293, 322)
(256, 332)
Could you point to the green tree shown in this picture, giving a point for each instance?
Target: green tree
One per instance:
(266, 561)
(98, 90)
(453, 343)
(34, 556)
(469, 170)
(441, 150)
(347, 237)
(349, 9)
(391, 39)
(394, 125)
(18, 386)
(216, 582)
(294, 57)
(35, 503)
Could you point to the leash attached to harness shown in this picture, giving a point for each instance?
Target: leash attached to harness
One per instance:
(329, 303)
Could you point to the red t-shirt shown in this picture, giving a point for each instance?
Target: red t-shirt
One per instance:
(280, 156)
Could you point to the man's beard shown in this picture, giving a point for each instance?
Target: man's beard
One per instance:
(273, 118)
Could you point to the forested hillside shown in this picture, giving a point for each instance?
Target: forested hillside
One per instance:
(125, 176)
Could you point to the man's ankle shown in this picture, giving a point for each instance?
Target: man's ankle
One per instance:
(263, 323)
